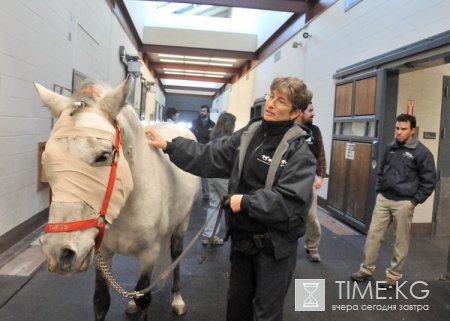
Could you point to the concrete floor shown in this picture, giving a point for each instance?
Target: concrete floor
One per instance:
(42, 296)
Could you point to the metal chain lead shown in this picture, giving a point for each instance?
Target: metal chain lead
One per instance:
(112, 282)
(162, 277)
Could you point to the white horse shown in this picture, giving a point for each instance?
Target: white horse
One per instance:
(149, 203)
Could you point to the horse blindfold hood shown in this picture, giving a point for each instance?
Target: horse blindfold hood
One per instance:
(73, 180)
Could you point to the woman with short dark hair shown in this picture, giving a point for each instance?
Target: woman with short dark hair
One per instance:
(271, 172)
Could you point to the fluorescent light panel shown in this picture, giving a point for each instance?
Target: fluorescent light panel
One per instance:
(194, 71)
(224, 62)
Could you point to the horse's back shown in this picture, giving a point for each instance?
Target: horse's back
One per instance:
(169, 131)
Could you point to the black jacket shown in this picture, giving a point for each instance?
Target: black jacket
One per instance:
(201, 131)
(407, 172)
(283, 204)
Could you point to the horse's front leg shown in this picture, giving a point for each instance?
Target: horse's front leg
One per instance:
(102, 298)
(140, 305)
(176, 248)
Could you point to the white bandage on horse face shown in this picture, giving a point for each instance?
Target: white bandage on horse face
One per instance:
(73, 180)
(93, 120)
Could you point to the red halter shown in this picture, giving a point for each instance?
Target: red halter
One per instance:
(98, 222)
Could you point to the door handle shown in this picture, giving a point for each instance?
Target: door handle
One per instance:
(374, 153)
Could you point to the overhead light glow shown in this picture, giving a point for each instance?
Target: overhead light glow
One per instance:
(172, 69)
(195, 71)
(216, 72)
(224, 59)
(198, 58)
(192, 74)
(205, 63)
(171, 56)
(174, 73)
(172, 60)
(219, 64)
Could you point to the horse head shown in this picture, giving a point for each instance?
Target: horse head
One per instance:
(89, 177)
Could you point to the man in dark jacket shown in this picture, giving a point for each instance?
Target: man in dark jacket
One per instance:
(271, 173)
(406, 177)
(202, 127)
(313, 228)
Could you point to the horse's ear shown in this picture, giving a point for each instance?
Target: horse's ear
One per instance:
(117, 98)
(56, 103)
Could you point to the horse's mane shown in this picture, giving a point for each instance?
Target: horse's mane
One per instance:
(132, 118)
(88, 96)
(92, 99)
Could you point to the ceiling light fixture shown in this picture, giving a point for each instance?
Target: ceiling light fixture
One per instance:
(174, 73)
(216, 72)
(198, 58)
(173, 69)
(219, 64)
(171, 56)
(172, 60)
(205, 63)
(224, 59)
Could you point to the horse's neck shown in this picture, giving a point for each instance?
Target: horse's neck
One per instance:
(139, 155)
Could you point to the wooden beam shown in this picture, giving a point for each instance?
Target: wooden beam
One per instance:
(201, 52)
(296, 6)
(284, 33)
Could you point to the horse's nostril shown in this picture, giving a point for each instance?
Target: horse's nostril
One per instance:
(67, 255)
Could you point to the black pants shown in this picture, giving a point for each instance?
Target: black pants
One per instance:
(258, 286)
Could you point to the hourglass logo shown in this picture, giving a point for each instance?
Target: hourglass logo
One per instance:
(309, 294)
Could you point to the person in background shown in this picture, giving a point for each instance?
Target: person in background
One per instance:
(313, 229)
(406, 177)
(202, 127)
(271, 172)
(218, 187)
(172, 115)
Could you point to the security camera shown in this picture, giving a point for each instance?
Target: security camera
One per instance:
(296, 44)
(306, 35)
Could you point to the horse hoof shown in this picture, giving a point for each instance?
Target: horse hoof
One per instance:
(179, 309)
(178, 305)
(132, 308)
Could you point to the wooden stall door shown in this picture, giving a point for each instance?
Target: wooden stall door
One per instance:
(352, 177)
(358, 186)
(336, 189)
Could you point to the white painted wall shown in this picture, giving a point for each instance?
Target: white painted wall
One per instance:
(340, 39)
(240, 99)
(42, 41)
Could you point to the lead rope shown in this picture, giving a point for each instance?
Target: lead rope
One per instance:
(211, 238)
(112, 281)
(103, 266)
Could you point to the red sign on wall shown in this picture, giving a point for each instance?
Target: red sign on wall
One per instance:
(410, 107)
